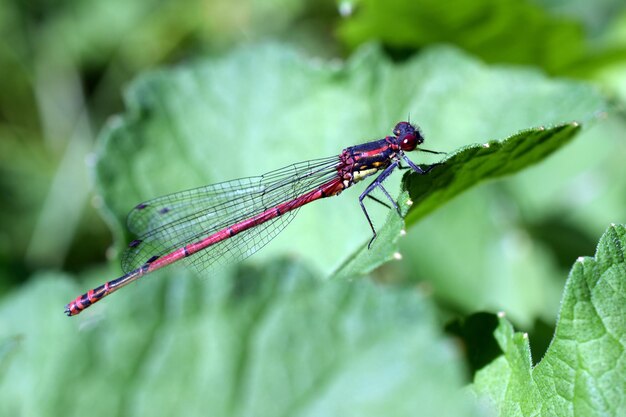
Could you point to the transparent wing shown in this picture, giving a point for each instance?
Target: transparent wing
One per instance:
(171, 208)
(167, 223)
(240, 246)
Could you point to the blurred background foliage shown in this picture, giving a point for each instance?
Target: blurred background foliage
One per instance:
(65, 66)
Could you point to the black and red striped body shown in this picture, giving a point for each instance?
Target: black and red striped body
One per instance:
(354, 164)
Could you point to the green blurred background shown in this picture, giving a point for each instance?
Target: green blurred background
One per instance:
(66, 65)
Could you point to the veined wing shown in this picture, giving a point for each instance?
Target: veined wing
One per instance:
(167, 223)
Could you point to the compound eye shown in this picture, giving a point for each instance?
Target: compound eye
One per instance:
(408, 142)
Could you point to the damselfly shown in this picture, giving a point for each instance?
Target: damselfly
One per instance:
(229, 221)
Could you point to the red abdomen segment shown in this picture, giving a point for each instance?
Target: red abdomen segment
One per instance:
(331, 188)
(98, 293)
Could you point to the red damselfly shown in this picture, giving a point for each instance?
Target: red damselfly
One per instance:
(229, 221)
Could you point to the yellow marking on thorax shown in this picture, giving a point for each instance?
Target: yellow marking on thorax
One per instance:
(359, 175)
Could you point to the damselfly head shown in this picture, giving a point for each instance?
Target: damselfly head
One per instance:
(408, 136)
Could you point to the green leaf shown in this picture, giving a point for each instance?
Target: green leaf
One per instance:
(475, 163)
(264, 107)
(265, 341)
(512, 31)
(583, 372)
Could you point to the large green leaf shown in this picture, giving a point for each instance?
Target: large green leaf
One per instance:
(266, 341)
(263, 107)
(583, 373)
